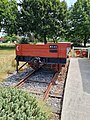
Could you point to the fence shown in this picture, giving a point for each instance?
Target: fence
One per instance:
(81, 52)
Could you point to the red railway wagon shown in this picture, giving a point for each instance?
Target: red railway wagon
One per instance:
(50, 53)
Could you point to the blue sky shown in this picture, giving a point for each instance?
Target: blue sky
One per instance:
(70, 2)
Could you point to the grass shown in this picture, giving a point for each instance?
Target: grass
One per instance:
(7, 57)
(47, 109)
(7, 60)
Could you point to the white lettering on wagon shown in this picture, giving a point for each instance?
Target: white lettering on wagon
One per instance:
(17, 48)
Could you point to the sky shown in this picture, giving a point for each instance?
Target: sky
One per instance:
(69, 3)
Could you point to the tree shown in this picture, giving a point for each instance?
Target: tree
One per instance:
(80, 21)
(1, 14)
(46, 18)
(8, 18)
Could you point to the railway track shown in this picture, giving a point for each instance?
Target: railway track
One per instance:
(48, 86)
(51, 91)
(22, 81)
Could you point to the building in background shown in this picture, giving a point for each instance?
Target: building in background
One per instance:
(1, 40)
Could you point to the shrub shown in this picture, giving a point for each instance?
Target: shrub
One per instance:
(24, 41)
(7, 46)
(16, 104)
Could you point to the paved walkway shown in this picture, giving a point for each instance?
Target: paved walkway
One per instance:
(76, 105)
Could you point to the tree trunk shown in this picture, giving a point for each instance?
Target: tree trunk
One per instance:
(85, 41)
(45, 41)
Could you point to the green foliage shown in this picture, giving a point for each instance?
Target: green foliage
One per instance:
(18, 105)
(7, 46)
(46, 18)
(79, 21)
(10, 38)
(8, 16)
(24, 41)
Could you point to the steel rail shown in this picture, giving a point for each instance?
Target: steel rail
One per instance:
(46, 94)
(60, 78)
(21, 82)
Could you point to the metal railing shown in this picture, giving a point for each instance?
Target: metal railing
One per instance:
(81, 49)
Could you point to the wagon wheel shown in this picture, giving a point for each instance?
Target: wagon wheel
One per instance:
(35, 63)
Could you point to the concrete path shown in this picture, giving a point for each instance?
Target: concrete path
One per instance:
(76, 104)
